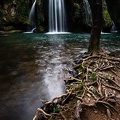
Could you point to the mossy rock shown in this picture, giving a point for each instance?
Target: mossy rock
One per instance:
(8, 28)
(107, 19)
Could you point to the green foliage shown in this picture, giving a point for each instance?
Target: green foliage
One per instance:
(8, 28)
(40, 29)
(106, 78)
(94, 91)
(93, 76)
(22, 11)
(80, 68)
(81, 85)
(56, 109)
(106, 16)
(108, 21)
(77, 6)
(15, 12)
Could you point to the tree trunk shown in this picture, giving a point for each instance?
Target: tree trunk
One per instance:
(97, 17)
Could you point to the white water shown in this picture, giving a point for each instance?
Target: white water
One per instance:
(58, 33)
(32, 17)
(57, 16)
(31, 31)
(88, 13)
(113, 29)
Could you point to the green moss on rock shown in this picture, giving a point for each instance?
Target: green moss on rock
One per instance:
(106, 16)
(107, 19)
(14, 12)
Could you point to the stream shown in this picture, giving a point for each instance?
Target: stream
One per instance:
(33, 68)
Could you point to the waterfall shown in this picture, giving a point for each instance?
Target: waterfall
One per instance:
(32, 18)
(113, 29)
(88, 13)
(57, 16)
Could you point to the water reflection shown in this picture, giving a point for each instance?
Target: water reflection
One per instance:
(32, 68)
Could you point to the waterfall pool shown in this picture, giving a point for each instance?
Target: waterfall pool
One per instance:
(33, 68)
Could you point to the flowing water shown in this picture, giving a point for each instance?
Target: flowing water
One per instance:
(87, 12)
(33, 67)
(57, 16)
(113, 29)
(32, 18)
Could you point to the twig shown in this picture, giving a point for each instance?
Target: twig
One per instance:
(115, 73)
(66, 97)
(38, 112)
(112, 87)
(95, 56)
(108, 113)
(99, 88)
(106, 68)
(106, 103)
(49, 102)
(78, 110)
(64, 118)
(73, 78)
(92, 94)
(92, 83)
(109, 80)
(114, 59)
(113, 82)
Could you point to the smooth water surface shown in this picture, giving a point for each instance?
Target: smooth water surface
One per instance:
(32, 67)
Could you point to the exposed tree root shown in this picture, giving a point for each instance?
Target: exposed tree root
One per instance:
(97, 83)
(38, 113)
(78, 110)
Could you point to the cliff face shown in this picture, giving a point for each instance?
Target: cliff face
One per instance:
(114, 11)
(42, 15)
(13, 14)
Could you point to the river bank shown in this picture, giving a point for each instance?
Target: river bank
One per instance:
(33, 67)
(93, 93)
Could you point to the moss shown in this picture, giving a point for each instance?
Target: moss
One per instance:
(15, 31)
(8, 28)
(41, 8)
(81, 85)
(77, 6)
(106, 16)
(56, 109)
(16, 12)
(40, 29)
(22, 12)
(107, 19)
(93, 76)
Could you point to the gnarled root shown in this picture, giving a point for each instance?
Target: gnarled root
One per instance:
(37, 115)
(78, 110)
(97, 83)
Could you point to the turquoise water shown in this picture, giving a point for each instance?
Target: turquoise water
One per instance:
(33, 67)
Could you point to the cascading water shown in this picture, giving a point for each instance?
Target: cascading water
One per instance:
(32, 18)
(113, 29)
(88, 14)
(57, 16)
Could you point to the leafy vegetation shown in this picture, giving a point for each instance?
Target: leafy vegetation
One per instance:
(106, 16)
(56, 109)
(93, 76)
